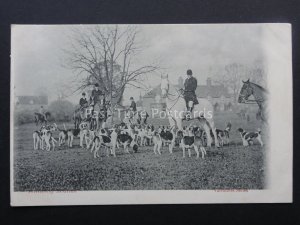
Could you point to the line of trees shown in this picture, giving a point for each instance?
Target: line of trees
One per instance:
(232, 75)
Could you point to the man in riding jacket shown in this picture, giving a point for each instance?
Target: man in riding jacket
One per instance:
(97, 98)
(190, 86)
(132, 107)
(83, 102)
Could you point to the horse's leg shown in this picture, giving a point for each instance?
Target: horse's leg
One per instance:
(154, 148)
(197, 151)
(71, 141)
(213, 128)
(171, 146)
(159, 147)
(207, 131)
(81, 136)
(259, 140)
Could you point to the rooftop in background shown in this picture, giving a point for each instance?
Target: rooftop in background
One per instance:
(202, 91)
(31, 100)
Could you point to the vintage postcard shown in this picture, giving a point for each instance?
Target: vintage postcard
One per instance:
(151, 114)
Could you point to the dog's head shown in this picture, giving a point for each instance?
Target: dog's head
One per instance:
(240, 130)
(180, 134)
(228, 126)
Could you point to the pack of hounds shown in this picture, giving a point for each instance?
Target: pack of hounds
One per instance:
(135, 136)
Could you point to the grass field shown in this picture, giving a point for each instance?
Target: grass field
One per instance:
(230, 167)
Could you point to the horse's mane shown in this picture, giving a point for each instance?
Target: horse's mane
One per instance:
(259, 87)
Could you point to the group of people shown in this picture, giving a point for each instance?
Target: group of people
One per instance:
(97, 99)
(98, 102)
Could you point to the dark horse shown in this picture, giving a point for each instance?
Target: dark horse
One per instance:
(260, 97)
(40, 119)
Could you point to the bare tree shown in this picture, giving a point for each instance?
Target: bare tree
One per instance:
(258, 73)
(231, 77)
(107, 55)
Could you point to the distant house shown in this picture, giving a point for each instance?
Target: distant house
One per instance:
(218, 95)
(30, 102)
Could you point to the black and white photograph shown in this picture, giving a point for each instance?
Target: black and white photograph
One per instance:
(164, 113)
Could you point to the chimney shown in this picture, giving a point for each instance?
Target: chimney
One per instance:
(208, 82)
(180, 82)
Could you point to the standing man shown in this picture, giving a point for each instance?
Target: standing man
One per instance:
(190, 86)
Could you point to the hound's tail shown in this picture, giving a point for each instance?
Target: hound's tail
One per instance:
(258, 131)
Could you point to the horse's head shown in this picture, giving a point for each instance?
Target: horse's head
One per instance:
(245, 92)
(164, 85)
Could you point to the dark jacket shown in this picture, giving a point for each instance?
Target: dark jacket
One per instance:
(83, 102)
(190, 86)
(133, 106)
(95, 96)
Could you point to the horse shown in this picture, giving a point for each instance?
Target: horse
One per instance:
(100, 115)
(79, 115)
(139, 117)
(176, 107)
(260, 97)
(39, 118)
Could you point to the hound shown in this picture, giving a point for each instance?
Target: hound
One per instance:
(248, 137)
(109, 142)
(47, 137)
(198, 134)
(62, 136)
(188, 141)
(37, 140)
(168, 136)
(223, 135)
(141, 135)
(150, 133)
(127, 140)
(82, 133)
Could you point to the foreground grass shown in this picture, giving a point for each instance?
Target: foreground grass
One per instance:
(231, 167)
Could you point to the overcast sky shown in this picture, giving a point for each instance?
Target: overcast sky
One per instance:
(37, 56)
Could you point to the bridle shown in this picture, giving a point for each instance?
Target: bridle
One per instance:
(247, 101)
(168, 96)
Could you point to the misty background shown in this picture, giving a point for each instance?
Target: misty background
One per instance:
(40, 62)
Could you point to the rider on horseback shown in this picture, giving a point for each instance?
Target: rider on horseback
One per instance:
(132, 107)
(190, 86)
(83, 103)
(97, 100)
(42, 112)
